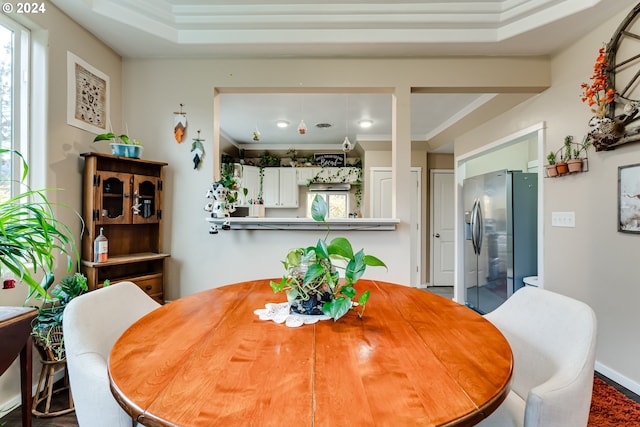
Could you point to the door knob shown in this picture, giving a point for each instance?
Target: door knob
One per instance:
(436, 235)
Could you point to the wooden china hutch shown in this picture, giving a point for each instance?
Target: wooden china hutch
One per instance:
(123, 197)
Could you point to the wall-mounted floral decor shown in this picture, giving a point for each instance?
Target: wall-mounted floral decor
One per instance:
(613, 93)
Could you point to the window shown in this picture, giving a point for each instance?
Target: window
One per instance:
(337, 203)
(14, 95)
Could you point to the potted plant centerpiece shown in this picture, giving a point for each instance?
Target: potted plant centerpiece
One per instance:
(121, 145)
(313, 283)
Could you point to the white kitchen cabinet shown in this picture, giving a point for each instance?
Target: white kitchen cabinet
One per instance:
(288, 188)
(250, 181)
(280, 188)
(305, 174)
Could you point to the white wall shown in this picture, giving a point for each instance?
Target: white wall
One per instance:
(155, 88)
(592, 262)
(514, 156)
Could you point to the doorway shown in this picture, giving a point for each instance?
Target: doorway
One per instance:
(442, 239)
(381, 207)
(500, 156)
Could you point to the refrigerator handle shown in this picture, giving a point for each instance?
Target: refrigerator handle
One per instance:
(479, 227)
(473, 226)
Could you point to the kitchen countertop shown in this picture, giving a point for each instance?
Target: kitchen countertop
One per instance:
(253, 223)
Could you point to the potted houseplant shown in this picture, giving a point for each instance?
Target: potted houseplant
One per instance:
(565, 155)
(47, 326)
(572, 154)
(313, 283)
(576, 162)
(121, 145)
(552, 167)
(31, 237)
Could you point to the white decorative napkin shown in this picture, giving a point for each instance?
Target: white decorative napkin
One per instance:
(279, 313)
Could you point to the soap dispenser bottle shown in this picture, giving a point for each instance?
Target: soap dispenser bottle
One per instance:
(101, 248)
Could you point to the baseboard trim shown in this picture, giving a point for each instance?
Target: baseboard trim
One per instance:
(618, 377)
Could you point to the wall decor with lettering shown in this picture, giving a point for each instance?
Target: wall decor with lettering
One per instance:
(327, 160)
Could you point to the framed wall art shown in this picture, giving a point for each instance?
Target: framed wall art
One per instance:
(629, 198)
(87, 96)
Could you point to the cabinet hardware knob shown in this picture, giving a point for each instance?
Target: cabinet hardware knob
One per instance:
(148, 287)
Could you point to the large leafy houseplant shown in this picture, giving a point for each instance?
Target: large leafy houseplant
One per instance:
(31, 237)
(313, 272)
(47, 326)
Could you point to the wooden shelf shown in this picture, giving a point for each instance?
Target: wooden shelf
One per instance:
(126, 259)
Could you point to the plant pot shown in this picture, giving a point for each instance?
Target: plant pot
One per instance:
(552, 170)
(563, 168)
(575, 165)
(312, 306)
(126, 150)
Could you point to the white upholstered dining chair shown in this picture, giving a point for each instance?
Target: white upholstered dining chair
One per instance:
(553, 339)
(91, 324)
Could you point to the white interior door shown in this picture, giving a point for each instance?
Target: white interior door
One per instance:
(381, 207)
(381, 193)
(442, 227)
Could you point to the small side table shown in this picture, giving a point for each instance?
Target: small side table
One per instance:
(15, 336)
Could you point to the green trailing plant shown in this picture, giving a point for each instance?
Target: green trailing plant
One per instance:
(261, 186)
(316, 270)
(230, 181)
(31, 237)
(269, 160)
(48, 322)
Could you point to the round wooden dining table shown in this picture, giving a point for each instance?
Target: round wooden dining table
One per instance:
(414, 359)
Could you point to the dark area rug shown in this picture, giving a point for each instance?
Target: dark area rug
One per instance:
(611, 408)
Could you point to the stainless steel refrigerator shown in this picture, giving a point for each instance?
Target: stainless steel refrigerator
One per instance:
(500, 227)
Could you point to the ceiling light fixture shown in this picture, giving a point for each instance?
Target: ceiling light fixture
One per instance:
(282, 124)
(366, 123)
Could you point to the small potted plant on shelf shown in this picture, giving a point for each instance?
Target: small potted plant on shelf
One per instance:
(565, 155)
(313, 283)
(121, 145)
(576, 162)
(552, 167)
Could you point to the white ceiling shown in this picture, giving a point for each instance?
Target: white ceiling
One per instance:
(337, 28)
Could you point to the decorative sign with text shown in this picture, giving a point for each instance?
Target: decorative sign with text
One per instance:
(327, 160)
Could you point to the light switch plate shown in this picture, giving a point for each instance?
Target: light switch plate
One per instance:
(563, 219)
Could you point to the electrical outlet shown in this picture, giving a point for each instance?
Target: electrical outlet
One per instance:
(563, 219)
